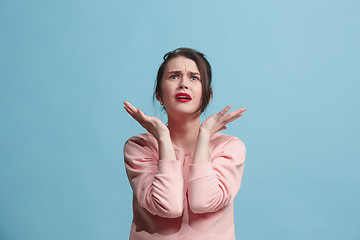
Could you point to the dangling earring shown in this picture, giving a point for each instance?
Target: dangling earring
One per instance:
(161, 103)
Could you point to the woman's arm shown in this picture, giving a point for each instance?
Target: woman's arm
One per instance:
(157, 183)
(212, 186)
(209, 127)
(157, 128)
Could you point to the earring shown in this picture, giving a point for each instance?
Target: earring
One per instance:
(161, 103)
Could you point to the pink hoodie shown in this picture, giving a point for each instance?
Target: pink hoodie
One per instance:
(175, 199)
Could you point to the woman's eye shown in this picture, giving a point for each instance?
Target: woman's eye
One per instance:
(174, 76)
(194, 78)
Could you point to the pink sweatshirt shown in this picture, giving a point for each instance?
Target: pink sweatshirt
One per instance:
(175, 199)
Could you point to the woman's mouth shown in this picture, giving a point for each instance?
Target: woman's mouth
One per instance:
(183, 97)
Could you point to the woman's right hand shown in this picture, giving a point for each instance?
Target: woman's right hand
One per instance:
(152, 124)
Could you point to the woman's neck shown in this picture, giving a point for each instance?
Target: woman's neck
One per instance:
(184, 131)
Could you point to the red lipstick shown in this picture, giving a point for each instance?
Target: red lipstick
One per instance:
(183, 97)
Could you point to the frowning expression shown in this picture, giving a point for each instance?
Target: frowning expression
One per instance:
(181, 86)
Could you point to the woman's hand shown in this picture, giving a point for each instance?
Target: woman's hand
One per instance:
(152, 124)
(217, 122)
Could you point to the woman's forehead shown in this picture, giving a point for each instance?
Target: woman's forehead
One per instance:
(182, 64)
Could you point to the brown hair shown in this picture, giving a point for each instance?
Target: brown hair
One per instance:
(203, 66)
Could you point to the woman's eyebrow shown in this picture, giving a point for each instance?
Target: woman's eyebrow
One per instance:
(180, 72)
(194, 73)
(175, 72)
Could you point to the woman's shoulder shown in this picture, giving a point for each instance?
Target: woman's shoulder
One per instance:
(142, 136)
(145, 140)
(222, 140)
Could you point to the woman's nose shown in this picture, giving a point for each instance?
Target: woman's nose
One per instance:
(183, 83)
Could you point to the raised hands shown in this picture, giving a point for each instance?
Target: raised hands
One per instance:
(217, 122)
(209, 127)
(152, 124)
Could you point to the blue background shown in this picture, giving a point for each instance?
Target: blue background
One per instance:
(67, 66)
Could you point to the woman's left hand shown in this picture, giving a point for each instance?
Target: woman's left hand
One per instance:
(217, 122)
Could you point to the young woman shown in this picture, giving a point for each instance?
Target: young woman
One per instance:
(185, 175)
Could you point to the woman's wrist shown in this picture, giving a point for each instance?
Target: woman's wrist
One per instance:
(164, 138)
(166, 149)
(203, 133)
(202, 147)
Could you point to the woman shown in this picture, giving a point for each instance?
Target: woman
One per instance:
(184, 175)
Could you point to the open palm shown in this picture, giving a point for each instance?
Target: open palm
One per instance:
(152, 124)
(218, 121)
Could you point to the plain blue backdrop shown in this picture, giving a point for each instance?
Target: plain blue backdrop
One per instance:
(67, 66)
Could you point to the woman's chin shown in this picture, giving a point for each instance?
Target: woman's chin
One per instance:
(181, 112)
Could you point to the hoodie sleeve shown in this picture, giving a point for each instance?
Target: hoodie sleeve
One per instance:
(213, 185)
(157, 184)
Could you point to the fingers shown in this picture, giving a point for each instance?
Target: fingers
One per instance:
(238, 111)
(129, 108)
(152, 124)
(233, 115)
(142, 114)
(223, 112)
(130, 112)
(222, 128)
(137, 114)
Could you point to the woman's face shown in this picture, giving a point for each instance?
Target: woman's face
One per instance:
(181, 86)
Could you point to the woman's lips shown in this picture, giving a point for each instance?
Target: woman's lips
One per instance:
(183, 97)
(182, 100)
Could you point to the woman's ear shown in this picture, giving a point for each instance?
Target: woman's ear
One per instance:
(211, 93)
(159, 98)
